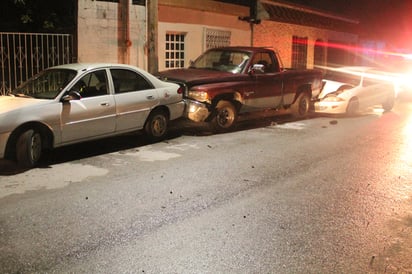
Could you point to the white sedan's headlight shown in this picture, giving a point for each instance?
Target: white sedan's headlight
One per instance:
(200, 96)
(332, 98)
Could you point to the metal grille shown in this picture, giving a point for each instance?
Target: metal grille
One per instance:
(23, 55)
(217, 38)
(299, 52)
(175, 50)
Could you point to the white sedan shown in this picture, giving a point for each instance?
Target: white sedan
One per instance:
(79, 102)
(349, 90)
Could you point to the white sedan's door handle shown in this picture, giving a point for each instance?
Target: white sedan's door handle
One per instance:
(150, 97)
(105, 104)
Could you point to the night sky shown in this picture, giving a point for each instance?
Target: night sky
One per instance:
(390, 20)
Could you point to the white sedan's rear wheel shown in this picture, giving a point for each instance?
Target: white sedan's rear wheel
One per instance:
(29, 148)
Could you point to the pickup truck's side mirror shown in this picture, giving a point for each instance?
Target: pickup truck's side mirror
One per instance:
(73, 95)
(257, 69)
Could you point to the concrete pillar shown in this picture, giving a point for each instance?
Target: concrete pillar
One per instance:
(152, 32)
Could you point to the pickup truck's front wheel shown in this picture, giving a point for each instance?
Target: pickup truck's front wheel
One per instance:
(300, 107)
(225, 116)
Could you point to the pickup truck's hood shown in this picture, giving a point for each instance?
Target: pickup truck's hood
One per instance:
(198, 76)
(10, 103)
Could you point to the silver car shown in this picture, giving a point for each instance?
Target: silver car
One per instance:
(79, 102)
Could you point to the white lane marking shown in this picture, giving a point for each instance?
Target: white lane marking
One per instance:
(294, 125)
(147, 155)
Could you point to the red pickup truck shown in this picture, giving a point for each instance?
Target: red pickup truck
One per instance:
(225, 82)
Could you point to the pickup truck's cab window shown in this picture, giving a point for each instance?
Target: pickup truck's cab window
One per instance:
(222, 60)
(264, 58)
(127, 81)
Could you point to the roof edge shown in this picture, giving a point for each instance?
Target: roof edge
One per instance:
(309, 10)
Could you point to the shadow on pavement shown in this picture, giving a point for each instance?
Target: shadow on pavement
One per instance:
(113, 144)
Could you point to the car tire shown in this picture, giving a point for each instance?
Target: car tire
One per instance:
(156, 126)
(389, 103)
(29, 148)
(225, 116)
(353, 107)
(300, 108)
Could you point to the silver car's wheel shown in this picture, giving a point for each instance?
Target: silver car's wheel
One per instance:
(29, 148)
(156, 125)
(353, 107)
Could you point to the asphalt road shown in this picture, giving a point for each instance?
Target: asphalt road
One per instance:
(321, 195)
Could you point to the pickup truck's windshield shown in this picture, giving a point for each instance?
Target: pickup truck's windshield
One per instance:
(45, 85)
(222, 60)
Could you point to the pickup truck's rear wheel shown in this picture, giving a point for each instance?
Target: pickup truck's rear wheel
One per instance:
(29, 148)
(300, 108)
(225, 116)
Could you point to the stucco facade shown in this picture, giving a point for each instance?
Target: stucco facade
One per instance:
(195, 25)
(102, 37)
(117, 32)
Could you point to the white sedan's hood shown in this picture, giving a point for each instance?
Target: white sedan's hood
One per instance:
(10, 103)
(330, 86)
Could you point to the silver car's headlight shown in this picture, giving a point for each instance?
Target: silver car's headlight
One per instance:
(200, 96)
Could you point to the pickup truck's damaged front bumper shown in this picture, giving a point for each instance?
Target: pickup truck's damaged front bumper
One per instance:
(196, 111)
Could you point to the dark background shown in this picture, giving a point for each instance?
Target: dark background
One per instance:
(387, 20)
(378, 19)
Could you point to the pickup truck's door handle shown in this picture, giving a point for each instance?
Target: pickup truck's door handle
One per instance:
(105, 104)
(248, 93)
(150, 97)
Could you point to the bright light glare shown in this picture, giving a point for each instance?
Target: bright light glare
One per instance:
(368, 72)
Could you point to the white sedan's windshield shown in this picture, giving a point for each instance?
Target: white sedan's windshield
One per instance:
(222, 60)
(46, 85)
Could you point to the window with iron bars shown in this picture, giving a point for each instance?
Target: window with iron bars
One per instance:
(299, 52)
(217, 38)
(175, 50)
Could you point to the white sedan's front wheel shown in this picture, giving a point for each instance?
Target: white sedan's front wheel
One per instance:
(353, 107)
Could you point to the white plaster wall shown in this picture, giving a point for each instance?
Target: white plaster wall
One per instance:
(98, 33)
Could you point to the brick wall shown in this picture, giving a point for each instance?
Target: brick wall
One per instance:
(279, 36)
